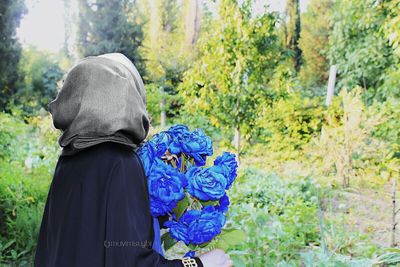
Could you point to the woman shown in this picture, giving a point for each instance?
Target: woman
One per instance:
(97, 212)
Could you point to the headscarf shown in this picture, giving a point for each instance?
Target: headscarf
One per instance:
(103, 99)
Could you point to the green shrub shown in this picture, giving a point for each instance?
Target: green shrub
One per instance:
(26, 164)
(279, 218)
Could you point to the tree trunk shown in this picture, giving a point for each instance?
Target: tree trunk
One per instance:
(293, 30)
(163, 114)
(331, 85)
(236, 141)
(394, 212)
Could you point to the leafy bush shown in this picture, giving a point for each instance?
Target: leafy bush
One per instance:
(291, 122)
(26, 165)
(279, 218)
(354, 145)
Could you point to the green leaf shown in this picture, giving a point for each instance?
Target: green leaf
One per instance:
(181, 207)
(168, 241)
(210, 202)
(192, 247)
(229, 238)
(237, 261)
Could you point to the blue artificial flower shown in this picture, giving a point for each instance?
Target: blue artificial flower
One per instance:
(223, 204)
(207, 226)
(179, 229)
(178, 129)
(229, 165)
(197, 227)
(206, 183)
(147, 155)
(166, 187)
(161, 143)
(160, 208)
(195, 144)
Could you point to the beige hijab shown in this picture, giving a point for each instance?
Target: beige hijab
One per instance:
(103, 99)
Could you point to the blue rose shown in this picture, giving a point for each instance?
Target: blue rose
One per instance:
(223, 204)
(180, 229)
(178, 129)
(176, 133)
(195, 144)
(207, 226)
(147, 155)
(160, 208)
(166, 187)
(161, 143)
(206, 183)
(197, 227)
(229, 165)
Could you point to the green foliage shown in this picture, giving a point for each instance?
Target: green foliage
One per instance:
(291, 122)
(278, 217)
(392, 24)
(284, 225)
(11, 13)
(314, 41)
(391, 29)
(26, 164)
(358, 46)
(238, 55)
(347, 142)
(236, 76)
(41, 76)
(104, 27)
(165, 55)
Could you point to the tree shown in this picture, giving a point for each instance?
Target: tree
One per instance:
(314, 44)
(168, 47)
(41, 74)
(11, 12)
(391, 29)
(392, 24)
(293, 30)
(238, 54)
(69, 18)
(358, 45)
(104, 27)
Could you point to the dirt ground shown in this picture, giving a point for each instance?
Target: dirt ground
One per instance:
(366, 211)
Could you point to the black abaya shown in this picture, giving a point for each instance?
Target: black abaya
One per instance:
(97, 212)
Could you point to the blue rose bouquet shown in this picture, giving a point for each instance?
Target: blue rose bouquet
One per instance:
(192, 195)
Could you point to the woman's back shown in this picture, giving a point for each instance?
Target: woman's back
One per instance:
(97, 211)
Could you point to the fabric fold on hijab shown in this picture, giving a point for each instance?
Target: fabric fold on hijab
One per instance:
(103, 99)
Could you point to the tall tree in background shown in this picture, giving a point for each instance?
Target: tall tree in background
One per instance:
(69, 17)
(104, 27)
(293, 30)
(238, 54)
(11, 12)
(314, 44)
(170, 35)
(359, 47)
(391, 28)
(41, 74)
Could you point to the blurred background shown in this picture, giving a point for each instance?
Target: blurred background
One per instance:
(319, 160)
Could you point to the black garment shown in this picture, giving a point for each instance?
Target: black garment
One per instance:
(98, 213)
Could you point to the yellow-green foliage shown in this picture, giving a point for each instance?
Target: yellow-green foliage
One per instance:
(289, 123)
(347, 145)
(314, 40)
(27, 160)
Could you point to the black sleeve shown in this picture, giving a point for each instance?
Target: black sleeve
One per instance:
(129, 225)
